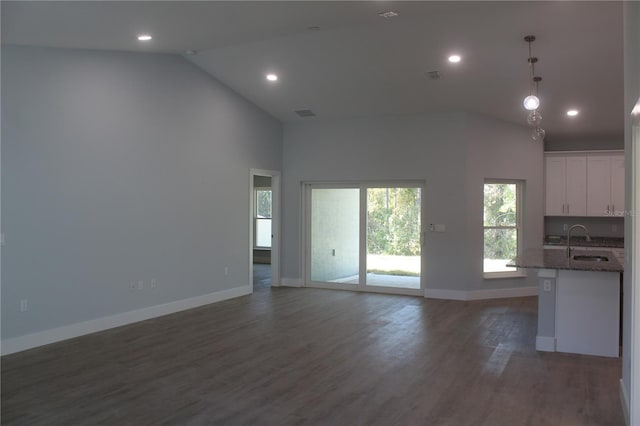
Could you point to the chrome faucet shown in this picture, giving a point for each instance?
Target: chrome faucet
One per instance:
(569, 237)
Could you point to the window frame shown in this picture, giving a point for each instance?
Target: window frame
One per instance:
(519, 272)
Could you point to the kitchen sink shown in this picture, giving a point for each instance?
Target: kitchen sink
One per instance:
(591, 258)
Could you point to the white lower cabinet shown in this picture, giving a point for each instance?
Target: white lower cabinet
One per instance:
(588, 313)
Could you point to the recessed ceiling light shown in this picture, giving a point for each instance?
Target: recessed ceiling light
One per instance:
(388, 14)
(272, 77)
(573, 112)
(454, 59)
(144, 37)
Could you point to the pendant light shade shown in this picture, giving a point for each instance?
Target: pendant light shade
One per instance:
(531, 102)
(534, 118)
(538, 134)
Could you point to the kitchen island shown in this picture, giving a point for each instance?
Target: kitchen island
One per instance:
(578, 300)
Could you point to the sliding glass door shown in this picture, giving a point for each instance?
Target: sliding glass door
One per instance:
(364, 237)
(335, 241)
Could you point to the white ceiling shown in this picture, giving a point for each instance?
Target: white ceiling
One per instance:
(359, 64)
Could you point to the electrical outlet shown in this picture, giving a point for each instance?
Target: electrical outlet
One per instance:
(24, 305)
(154, 283)
(440, 227)
(546, 284)
(132, 285)
(140, 285)
(226, 270)
(565, 227)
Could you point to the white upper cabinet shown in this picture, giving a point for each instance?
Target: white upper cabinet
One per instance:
(576, 186)
(617, 185)
(599, 185)
(555, 185)
(605, 183)
(585, 184)
(565, 185)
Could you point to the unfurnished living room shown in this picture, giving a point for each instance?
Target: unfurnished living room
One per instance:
(320, 213)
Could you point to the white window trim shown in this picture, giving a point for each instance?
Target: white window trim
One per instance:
(519, 272)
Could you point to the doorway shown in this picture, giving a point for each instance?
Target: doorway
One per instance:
(264, 242)
(364, 237)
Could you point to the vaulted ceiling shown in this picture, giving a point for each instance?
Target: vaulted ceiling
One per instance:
(342, 60)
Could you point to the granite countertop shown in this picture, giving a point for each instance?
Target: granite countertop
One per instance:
(581, 241)
(557, 259)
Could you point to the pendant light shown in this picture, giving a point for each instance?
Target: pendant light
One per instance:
(532, 102)
(534, 118)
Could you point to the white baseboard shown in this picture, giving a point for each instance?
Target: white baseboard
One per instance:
(434, 293)
(21, 343)
(481, 294)
(545, 344)
(626, 410)
(290, 282)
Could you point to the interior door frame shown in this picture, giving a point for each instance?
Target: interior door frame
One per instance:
(634, 397)
(275, 223)
(307, 187)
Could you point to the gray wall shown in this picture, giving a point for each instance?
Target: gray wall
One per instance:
(452, 153)
(120, 167)
(631, 96)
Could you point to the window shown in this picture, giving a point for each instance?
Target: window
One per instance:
(263, 218)
(502, 227)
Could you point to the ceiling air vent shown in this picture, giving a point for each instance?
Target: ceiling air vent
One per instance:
(305, 113)
(433, 75)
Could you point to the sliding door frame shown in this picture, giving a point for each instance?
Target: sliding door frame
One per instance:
(363, 186)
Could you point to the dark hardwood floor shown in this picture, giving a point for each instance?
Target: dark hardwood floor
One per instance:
(261, 277)
(288, 356)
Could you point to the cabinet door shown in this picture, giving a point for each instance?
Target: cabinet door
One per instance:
(598, 185)
(576, 190)
(617, 185)
(555, 183)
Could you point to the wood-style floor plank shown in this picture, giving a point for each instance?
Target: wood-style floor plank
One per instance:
(287, 356)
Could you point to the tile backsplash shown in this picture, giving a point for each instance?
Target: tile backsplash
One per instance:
(597, 226)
